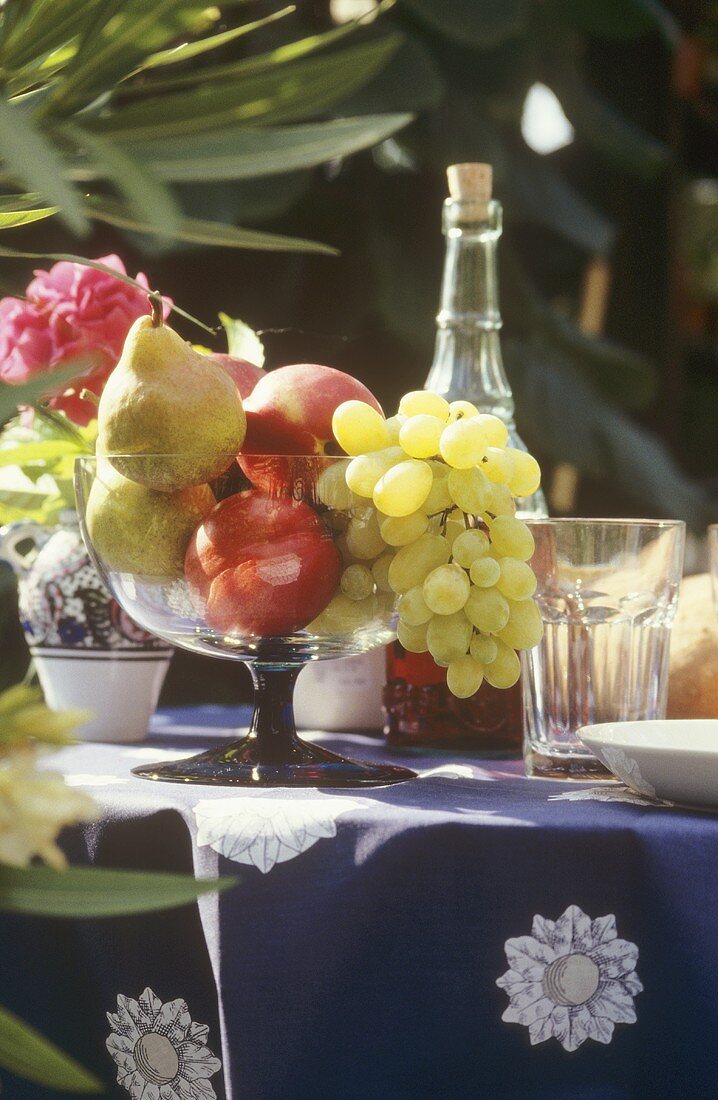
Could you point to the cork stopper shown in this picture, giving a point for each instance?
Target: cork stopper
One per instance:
(471, 184)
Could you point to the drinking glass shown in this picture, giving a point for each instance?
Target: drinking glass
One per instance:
(268, 607)
(607, 593)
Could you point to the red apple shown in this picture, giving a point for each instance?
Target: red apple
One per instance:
(262, 566)
(245, 374)
(290, 412)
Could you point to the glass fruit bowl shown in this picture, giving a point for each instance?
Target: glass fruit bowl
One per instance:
(273, 563)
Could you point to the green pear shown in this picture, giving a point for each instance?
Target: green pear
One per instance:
(165, 400)
(134, 529)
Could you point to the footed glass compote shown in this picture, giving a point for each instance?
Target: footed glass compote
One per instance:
(252, 566)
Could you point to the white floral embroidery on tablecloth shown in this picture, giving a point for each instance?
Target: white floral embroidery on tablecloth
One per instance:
(609, 792)
(265, 830)
(572, 979)
(160, 1052)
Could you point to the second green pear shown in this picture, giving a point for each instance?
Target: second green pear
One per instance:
(139, 530)
(166, 400)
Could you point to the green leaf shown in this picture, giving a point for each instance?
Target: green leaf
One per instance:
(189, 50)
(105, 56)
(10, 219)
(28, 502)
(135, 181)
(34, 161)
(37, 452)
(24, 1052)
(20, 202)
(96, 892)
(197, 231)
(61, 426)
(28, 392)
(242, 341)
(251, 66)
(240, 153)
(282, 94)
(42, 32)
(485, 25)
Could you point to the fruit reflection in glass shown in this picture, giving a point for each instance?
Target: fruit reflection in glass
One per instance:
(249, 566)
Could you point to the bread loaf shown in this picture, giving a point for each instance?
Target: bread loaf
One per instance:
(693, 683)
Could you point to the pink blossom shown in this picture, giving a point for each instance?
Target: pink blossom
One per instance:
(72, 313)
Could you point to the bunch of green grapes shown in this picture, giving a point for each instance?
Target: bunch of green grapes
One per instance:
(431, 496)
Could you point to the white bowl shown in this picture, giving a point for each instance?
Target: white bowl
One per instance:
(675, 760)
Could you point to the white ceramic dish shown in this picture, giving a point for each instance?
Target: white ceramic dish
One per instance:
(671, 759)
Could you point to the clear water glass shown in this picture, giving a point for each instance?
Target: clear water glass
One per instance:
(607, 592)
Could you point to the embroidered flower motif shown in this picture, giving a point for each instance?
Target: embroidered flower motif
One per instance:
(572, 979)
(609, 792)
(160, 1052)
(627, 770)
(263, 831)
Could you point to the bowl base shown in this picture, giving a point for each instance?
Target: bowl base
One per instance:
(238, 765)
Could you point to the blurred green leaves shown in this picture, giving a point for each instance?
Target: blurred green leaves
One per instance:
(106, 93)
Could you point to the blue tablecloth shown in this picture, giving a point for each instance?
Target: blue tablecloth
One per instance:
(471, 934)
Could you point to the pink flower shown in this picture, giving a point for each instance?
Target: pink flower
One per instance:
(72, 313)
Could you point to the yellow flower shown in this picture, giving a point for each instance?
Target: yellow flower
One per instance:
(35, 805)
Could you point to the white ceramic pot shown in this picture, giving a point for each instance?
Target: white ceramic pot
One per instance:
(345, 694)
(87, 651)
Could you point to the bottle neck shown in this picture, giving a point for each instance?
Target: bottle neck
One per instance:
(467, 358)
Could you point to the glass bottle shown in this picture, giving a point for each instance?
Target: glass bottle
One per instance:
(467, 365)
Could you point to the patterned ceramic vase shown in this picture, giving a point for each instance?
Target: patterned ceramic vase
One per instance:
(87, 651)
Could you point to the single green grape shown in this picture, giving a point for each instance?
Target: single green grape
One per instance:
(483, 648)
(487, 609)
(404, 488)
(517, 579)
(448, 636)
(505, 669)
(363, 537)
(358, 427)
(380, 572)
(498, 465)
(470, 489)
(464, 676)
(446, 589)
(401, 530)
(412, 563)
(511, 538)
(463, 443)
(412, 607)
(420, 435)
(357, 582)
(526, 475)
(496, 432)
(413, 638)
(469, 545)
(523, 628)
(417, 402)
(485, 572)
